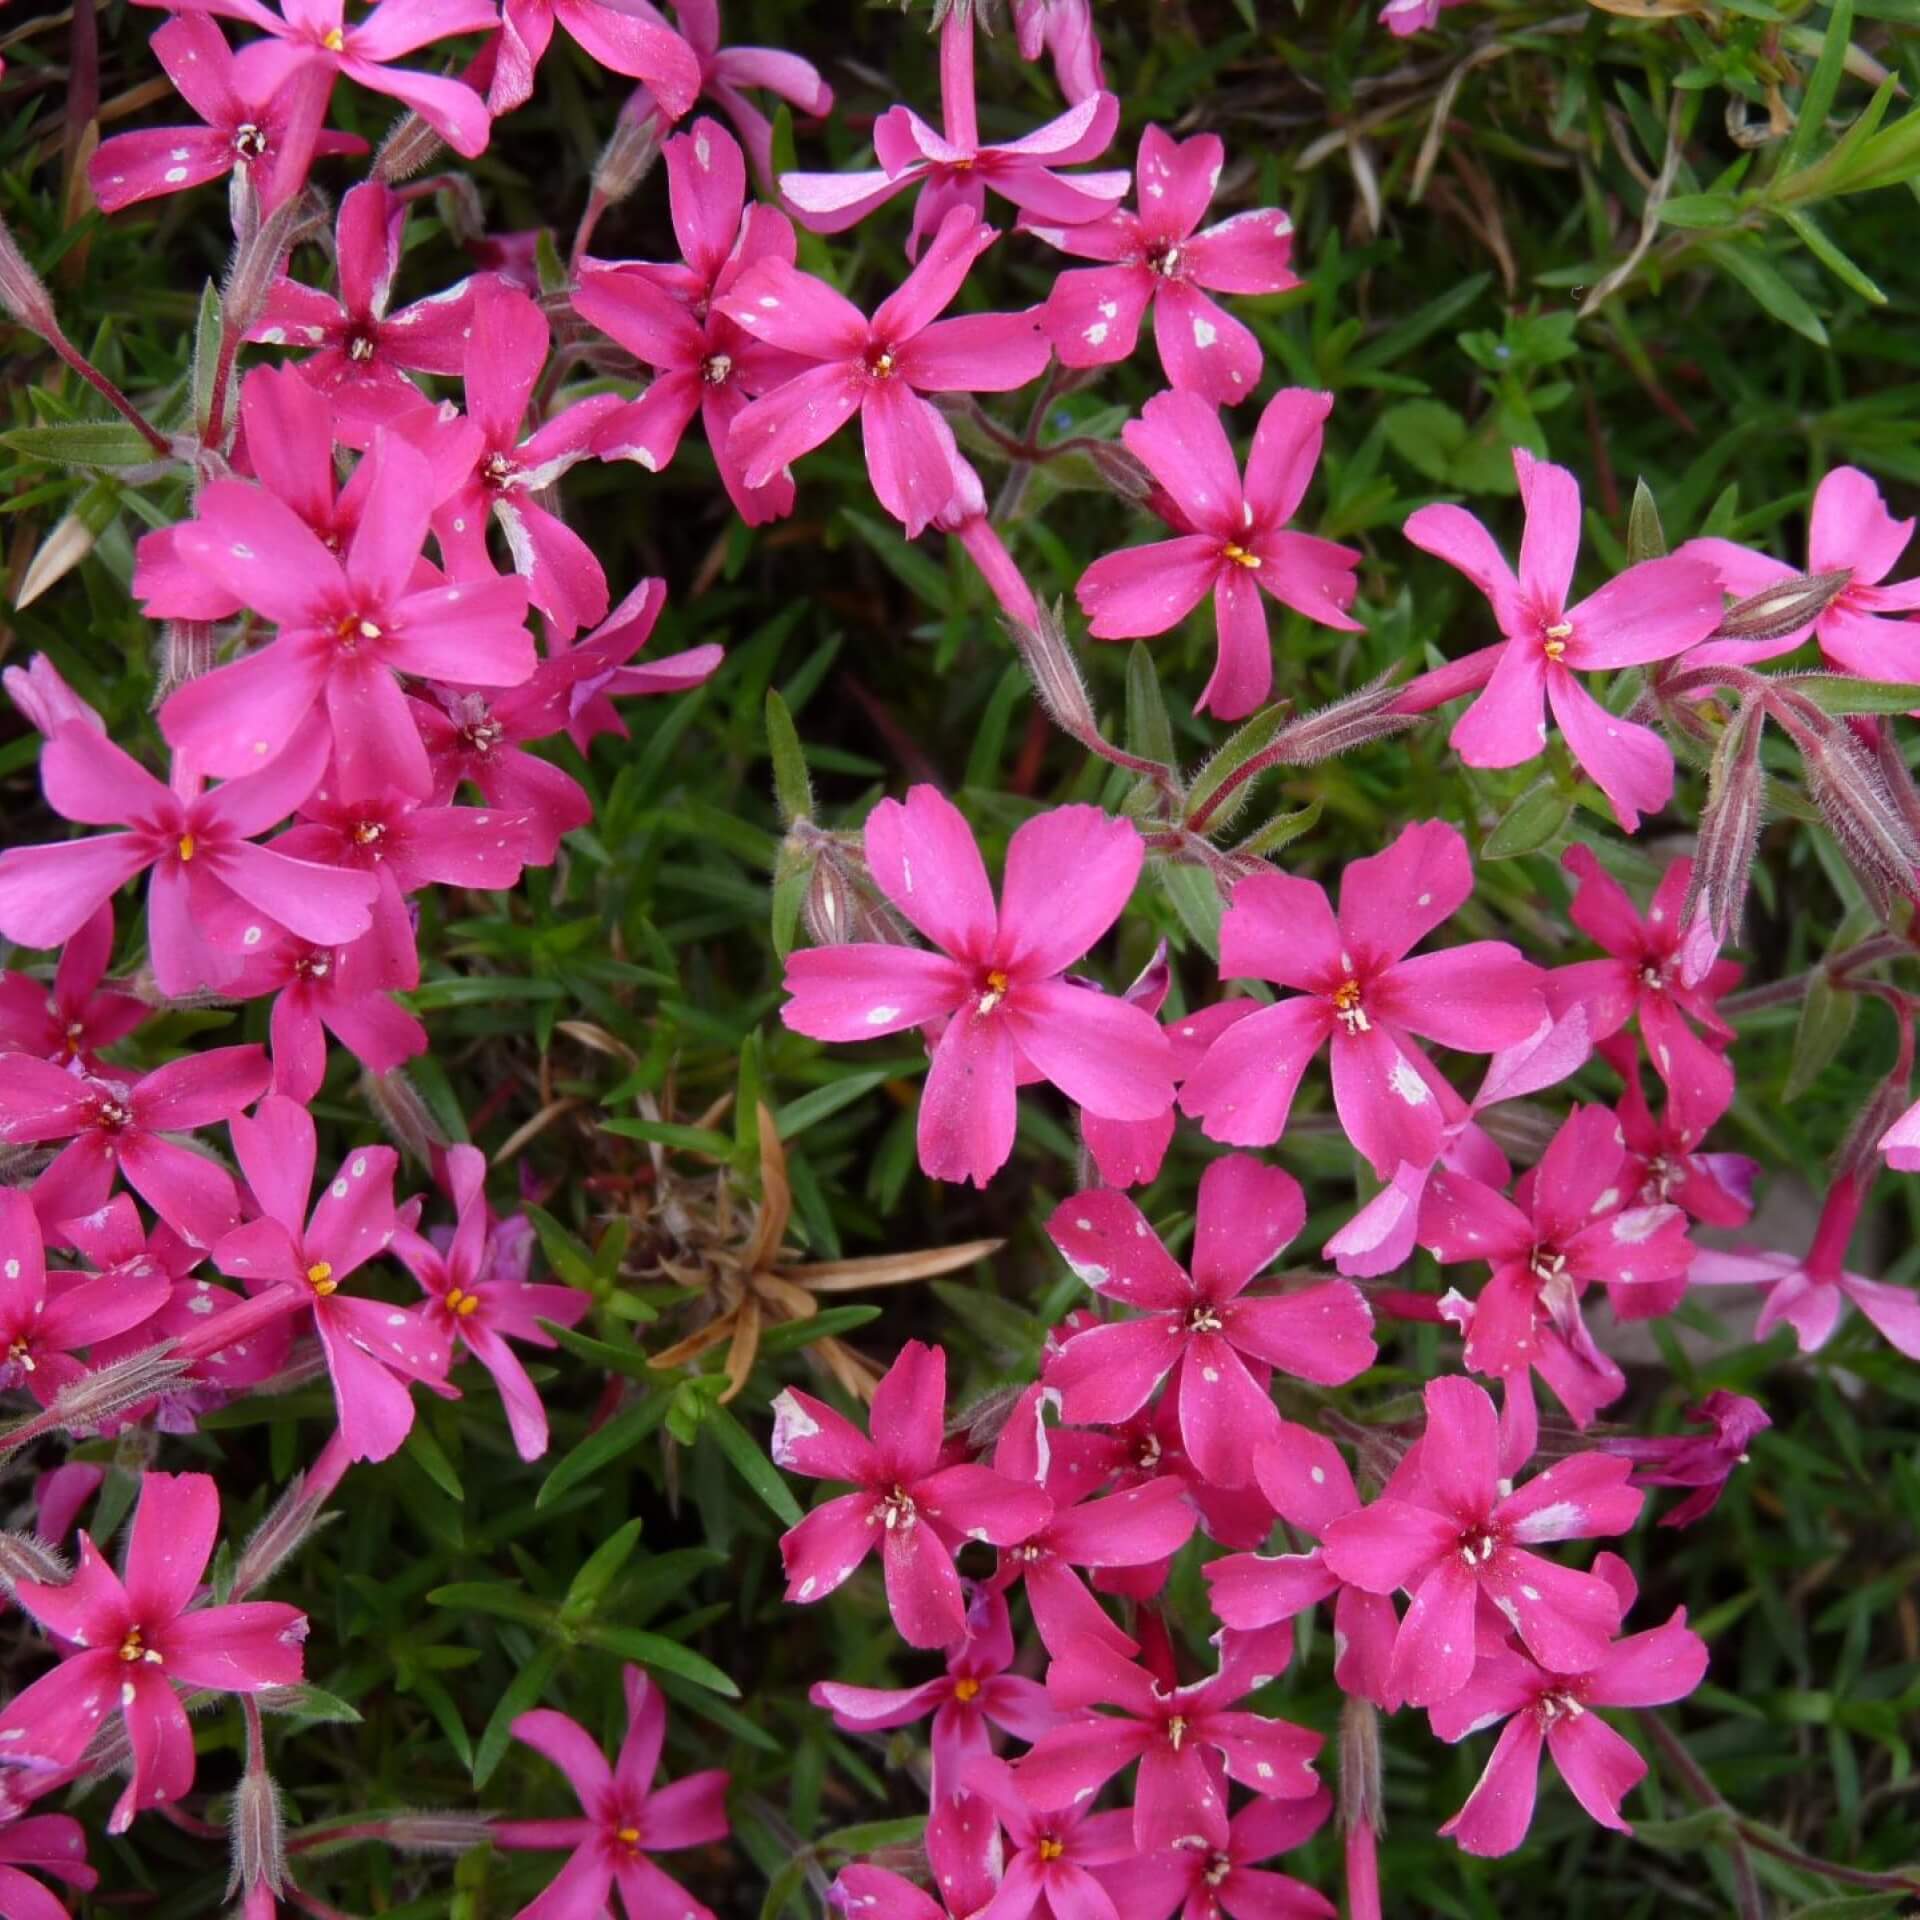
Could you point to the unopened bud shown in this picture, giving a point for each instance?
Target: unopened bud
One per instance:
(629, 156)
(411, 145)
(96, 1398)
(1362, 1805)
(1780, 609)
(1729, 828)
(256, 1832)
(435, 1831)
(46, 700)
(22, 292)
(841, 907)
(293, 1520)
(397, 1103)
(25, 1556)
(1121, 470)
(1372, 713)
(1048, 659)
(186, 652)
(259, 251)
(1866, 823)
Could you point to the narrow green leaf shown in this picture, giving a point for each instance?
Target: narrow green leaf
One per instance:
(1823, 84)
(308, 1703)
(1282, 830)
(656, 1650)
(1149, 731)
(206, 361)
(1196, 899)
(1533, 821)
(496, 1597)
(828, 1322)
(523, 1691)
(791, 788)
(1646, 537)
(618, 1438)
(1254, 738)
(599, 1570)
(1838, 693)
(603, 1353)
(427, 1454)
(1814, 237)
(1826, 1018)
(666, 1133)
(746, 1458)
(798, 1115)
(82, 443)
(925, 581)
(1769, 287)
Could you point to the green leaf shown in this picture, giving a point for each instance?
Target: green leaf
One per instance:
(1196, 899)
(598, 1572)
(1814, 237)
(798, 1115)
(791, 787)
(1282, 830)
(1686, 1834)
(829, 1322)
(871, 1835)
(1823, 84)
(1247, 743)
(1826, 1018)
(1701, 210)
(427, 1454)
(208, 331)
(921, 578)
(666, 1133)
(1427, 435)
(1646, 537)
(523, 1691)
(745, 1456)
(1838, 693)
(656, 1650)
(1769, 287)
(618, 1438)
(82, 443)
(1534, 821)
(308, 1703)
(496, 1597)
(1149, 731)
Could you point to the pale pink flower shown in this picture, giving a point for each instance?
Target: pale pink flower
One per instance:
(1063, 29)
(72, 1021)
(1403, 18)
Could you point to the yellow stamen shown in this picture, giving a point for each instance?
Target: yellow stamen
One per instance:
(965, 1689)
(628, 1836)
(1242, 558)
(461, 1302)
(320, 1277)
(133, 1648)
(1051, 1849)
(333, 40)
(1557, 637)
(997, 984)
(186, 846)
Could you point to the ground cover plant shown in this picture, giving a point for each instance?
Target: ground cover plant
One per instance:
(960, 961)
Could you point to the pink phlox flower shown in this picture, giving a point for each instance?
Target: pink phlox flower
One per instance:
(315, 33)
(1454, 1541)
(45, 1319)
(1222, 1338)
(1556, 1710)
(1703, 1461)
(1807, 1292)
(505, 354)
(605, 670)
(200, 847)
(359, 353)
(995, 977)
(878, 368)
(1357, 988)
(703, 361)
(1155, 260)
(1863, 630)
(114, 1121)
(1714, 1188)
(1189, 1740)
(348, 626)
(270, 136)
(911, 1504)
(623, 1818)
(132, 1639)
(54, 1844)
(469, 1303)
(1233, 541)
(1204, 1882)
(45, 700)
(1403, 18)
(1382, 1235)
(1643, 976)
(1047, 1863)
(373, 1350)
(73, 1021)
(965, 517)
(976, 1694)
(1650, 612)
(618, 38)
(953, 168)
(1064, 30)
(865, 1892)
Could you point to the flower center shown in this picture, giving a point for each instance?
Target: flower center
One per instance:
(1347, 1008)
(133, 1648)
(897, 1511)
(1147, 1454)
(333, 40)
(315, 965)
(997, 985)
(112, 1113)
(1559, 1706)
(21, 1355)
(483, 735)
(1477, 1549)
(249, 142)
(1556, 638)
(1547, 1264)
(367, 832)
(1653, 976)
(880, 362)
(360, 349)
(1203, 1320)
(1176, 1731)
(1217, 1869)
(1163, 258)
(965, 1689)
(460, 1302)
(351, 628)
(186, 846)
(320, 1278)
(628, 1837)
(1050, 1848)
(717, 369)
(1241, 557)
(495, 468)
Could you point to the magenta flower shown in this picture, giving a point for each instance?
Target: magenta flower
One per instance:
(995, 979)
(1357, 988)
(1046, 1866)
(1901, 1142)
(1156, 261)
(1664, 1161)
(347, 626)
(1650, 612)
(1403, 18)
(975, 1693)
(115, 1123)
(373, 1350)
(915, 1509)
(1809, 1292)
(1064, 30)
(703, 362)
(134, 1639)
(199, 847)
(1450, 1537)
(77, 1019)
(315, 33)
(1205, 1323)
(624, 1817)
(600, 669)
(359, 349)
(954, 168)
(878, 368)
(1183, 1736)
(1555, 1710)
(1703, 1461)
(1201, 1883)
(471, 1303)
(269, 136)
(610, 36)
(50, 1843)
(876, 1893)
(1232, 542)
(505, 355)
(1865, 629)
(476, 736)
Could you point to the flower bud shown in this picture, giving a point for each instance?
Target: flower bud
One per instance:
(58, 554)
(411, 145)
(1372, 713)
(629, 156)
(259, 249)
(1729, 831)
(25, 1556)
(47, 701)
(397, 1102)
(1866, 823)
(1055, 673)
(1362, 1805)
(293, 1520)
(1121, 470)
(21, 290)
(1777, 610)
(186, 652)
(96, 1398)
(436, 1831)
(256, 1832)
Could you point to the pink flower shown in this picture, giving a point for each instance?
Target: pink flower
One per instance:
(1157, 260)
(878, 368)
(1644, 976)
(1863, 629)
(347, 626)
(610, 36)
(974, 1694)
(316, 34)
(1403, 18)
(1233, 541)
(505, 355)
(954, 168)
(1452, 1538)
(1046, 1866)
(995, 979)
(200, 848)
(1205, 1323)
(1808, 1293)
(1184, 1737)
(1358, 988)
(1204, 1882)
(79, 1018)
(876, 1893)
(1703, 1461)
(470, 1302)
(624, 1817)
(1901, 1142)
(359, 351)
(703, 361)
(45, 1319)
(112, 1122)
(373, 1350)
(1648, 1669)
(1664, 1161)
(134, 1640)
(915, 1509)
(1650, 612)
(601, 668)
(268, 136)
(50, 1843)
(1064, 29)
(965, 517)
